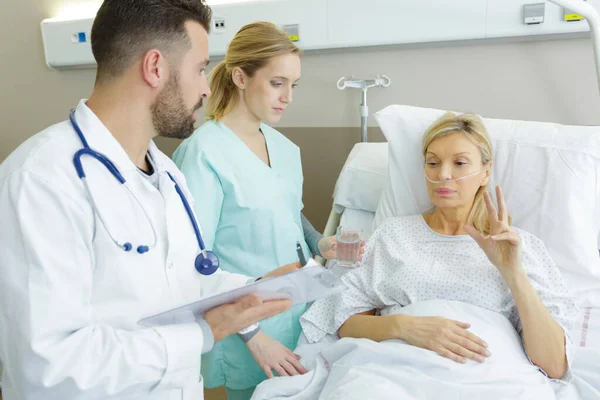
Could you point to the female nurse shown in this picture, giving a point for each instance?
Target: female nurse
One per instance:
(246, 179)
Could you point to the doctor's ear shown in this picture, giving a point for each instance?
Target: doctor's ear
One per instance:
(154, 68)
(239, 78)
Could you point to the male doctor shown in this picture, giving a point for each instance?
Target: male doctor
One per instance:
(71, 295)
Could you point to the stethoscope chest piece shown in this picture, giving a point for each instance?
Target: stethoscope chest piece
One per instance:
(207, 265)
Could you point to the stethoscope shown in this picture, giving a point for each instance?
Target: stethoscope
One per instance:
(206, 261)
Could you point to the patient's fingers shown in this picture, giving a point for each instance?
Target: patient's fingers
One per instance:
(470, 345)
(463, 352)
(501, 205)
(511, 236)
(492, 212)
(464, 325)
(448, 354)
(474, 233)
(472, 337)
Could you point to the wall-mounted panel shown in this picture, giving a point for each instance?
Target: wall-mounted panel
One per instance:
(309, 15)
(383, 22)
(505, 19)
(67, 43)
(331, 24)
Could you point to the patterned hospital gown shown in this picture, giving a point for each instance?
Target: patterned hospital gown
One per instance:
(406, 262)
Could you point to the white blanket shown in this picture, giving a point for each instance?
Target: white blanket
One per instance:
(362, 369)
(586, 370)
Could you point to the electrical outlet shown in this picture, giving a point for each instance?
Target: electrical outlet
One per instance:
(534, 14)
(218, 25)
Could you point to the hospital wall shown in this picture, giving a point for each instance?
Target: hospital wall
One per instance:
(550, 80)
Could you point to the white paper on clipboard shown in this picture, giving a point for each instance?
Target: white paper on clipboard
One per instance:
(307, 284)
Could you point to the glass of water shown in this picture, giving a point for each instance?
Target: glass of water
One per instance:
(349, 241)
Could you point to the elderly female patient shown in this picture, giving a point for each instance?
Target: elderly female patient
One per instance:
(463, 250)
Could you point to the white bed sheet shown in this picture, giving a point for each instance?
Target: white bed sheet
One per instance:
(586, 366)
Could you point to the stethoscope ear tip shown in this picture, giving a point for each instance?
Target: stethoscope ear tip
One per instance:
(142, 249)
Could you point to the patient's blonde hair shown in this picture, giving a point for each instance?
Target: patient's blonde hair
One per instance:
(472, 127)
(251, 49)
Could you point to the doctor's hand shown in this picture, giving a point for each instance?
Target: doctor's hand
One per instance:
(328, 248)
(448, 338)
(228, 319)
(286, 269)
(503, 245)
(271, 356)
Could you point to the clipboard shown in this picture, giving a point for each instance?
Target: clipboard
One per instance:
(307, 284)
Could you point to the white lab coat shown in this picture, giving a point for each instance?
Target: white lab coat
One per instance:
(70, 299)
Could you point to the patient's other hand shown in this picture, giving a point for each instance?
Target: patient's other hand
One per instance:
(446, 337)
(271, 356)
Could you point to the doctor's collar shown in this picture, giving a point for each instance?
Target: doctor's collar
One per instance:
(101, 140)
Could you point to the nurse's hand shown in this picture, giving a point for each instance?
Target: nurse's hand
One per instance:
(228, 319)
(286, 269)
(271, 356)
(328, 248)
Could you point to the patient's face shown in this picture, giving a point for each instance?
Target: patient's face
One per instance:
(448, 158)
(269, 91)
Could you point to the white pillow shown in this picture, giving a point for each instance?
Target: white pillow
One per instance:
(363, 178)
(549, 173)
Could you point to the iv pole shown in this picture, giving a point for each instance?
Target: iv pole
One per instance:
(364, 85)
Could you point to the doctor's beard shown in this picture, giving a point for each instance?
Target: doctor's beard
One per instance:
(170, 116)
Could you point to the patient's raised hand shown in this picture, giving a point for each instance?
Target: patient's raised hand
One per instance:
(446, 337)
(503, 245)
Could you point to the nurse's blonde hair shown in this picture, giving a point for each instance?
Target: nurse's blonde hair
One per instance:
(473, 128)
(250, 50)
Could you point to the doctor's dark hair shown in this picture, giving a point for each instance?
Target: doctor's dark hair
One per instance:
(124, 30)
(473, 128)
(250, 50)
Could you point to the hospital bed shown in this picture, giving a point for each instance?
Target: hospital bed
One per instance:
(349, 209)
(382, 180)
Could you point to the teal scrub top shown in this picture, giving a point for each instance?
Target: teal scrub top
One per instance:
(250, 216)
